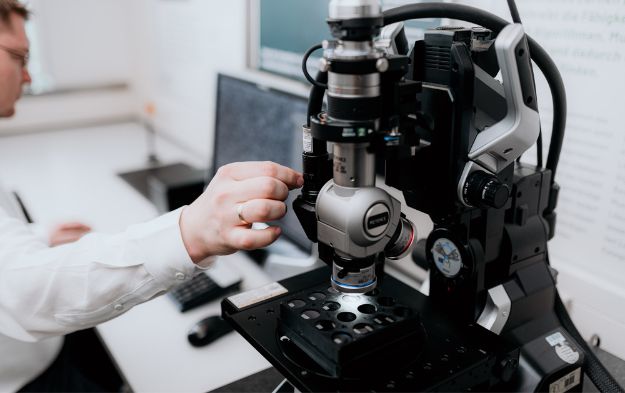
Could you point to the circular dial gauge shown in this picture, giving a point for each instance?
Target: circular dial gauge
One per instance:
(447, 257)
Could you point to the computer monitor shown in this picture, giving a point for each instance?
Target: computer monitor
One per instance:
(256, 123)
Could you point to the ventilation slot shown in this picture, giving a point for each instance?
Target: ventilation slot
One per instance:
(437, 57)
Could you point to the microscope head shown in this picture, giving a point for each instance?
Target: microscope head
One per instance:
(358, 223)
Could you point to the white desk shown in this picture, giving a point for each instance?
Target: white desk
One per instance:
(71, 175)
(149, 344)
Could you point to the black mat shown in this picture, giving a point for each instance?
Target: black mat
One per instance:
(138, 179)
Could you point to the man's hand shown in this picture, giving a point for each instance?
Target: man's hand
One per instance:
(219, 221)
(67, 233)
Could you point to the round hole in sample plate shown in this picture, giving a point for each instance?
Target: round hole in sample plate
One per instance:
(331, 306)
(341, 338)
(382, 319)
(325, 325)
(367, 308)
(316, 296)
(296, 303)
(362, 328)
(346, 316)
(386, 301)
(310, 314)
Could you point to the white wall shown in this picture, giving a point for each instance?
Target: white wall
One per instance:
(84, 43)
(69, 110)
(167, 52)
(81, 47)
(180, 46)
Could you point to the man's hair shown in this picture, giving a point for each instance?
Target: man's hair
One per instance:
(8, 7)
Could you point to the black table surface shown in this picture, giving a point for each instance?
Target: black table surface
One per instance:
(267, 380)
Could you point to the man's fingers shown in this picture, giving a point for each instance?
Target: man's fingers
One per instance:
(262, 210)
(74, 226)
(251, 169)
(243, 238)
(63, 236)
(261, 188)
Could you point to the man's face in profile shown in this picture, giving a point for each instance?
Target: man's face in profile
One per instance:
(14, 48)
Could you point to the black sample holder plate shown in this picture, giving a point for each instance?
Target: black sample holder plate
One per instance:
(347, 334)
(439, 356)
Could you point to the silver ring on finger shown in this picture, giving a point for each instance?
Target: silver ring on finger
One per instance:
(240, 214)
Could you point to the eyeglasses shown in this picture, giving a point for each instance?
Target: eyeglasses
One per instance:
(20, 56)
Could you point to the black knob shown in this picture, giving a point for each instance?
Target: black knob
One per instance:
(507, 368)
(419, 254)
(485, 190)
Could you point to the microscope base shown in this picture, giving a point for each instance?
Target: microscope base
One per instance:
(449, 358)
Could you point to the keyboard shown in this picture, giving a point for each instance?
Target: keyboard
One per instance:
(212, 284)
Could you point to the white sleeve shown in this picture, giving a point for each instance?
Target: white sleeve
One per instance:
(41, 232)
(53, 291)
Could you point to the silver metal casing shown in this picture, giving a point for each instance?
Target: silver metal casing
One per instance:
(341, 213)
(354, 9)
(498, 146)
(496, 311)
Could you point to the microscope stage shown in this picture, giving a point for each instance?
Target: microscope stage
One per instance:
(390, 340)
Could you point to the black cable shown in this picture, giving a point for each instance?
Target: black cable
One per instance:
(539, 149)
(305, 68)
(514, 12)
(496, 24)
(315, 99)
(516, 18)
(27, 216)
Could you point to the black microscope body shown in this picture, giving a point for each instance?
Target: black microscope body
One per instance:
(489, 321)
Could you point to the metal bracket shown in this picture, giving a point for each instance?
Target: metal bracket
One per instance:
(497, 310)
(498, 146)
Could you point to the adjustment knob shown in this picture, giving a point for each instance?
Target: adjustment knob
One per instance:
(485, 190)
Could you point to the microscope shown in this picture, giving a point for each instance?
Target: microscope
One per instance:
(450, 116)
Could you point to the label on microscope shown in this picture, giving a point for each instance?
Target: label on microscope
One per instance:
(254, 296)
(563, 348)
(567, 382)
(308, 141)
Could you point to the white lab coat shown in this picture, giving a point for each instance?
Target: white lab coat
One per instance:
(48, 292)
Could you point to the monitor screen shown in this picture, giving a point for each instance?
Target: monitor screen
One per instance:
(254, 123)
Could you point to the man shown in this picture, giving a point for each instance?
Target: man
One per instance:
(48, 292)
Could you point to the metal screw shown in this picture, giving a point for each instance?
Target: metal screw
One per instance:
(324, 64)
(595, 340)
(381, 64)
